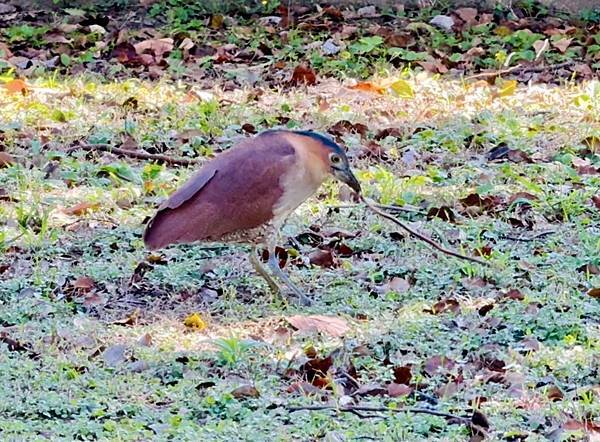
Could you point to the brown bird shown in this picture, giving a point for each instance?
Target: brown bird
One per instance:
(245, 194)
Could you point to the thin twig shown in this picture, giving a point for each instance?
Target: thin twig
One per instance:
(354, 409)
(420, 236)
(530, 238)
(409, 209)
(521, 68)
(134, 154)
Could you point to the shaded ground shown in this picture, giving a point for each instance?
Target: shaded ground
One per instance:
(97, 337)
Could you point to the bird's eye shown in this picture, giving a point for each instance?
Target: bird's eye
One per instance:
(335, 159)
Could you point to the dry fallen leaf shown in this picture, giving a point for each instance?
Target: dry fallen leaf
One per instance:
(563, 44)
(245, 391)
(367, 86)
(15, 86)
(595, 292)
(398, 390)
(196, 321)
(6, 160)
(403, 89)
(158, 46)
(330, 325)
(467, 15)
(303, 75)
(81, 208)
(84, 283)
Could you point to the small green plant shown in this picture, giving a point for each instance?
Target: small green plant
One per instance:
(233, 350)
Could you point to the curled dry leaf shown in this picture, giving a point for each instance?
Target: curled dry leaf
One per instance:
(443, 306)
(554, 393)
(81, 208)
(594, 293)
(158, 46)
(330, 325)
(84, 283)
(368, 86)
(245, 391)
(322, 258)
(303, 75)
(563, 44)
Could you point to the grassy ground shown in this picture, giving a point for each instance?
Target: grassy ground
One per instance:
(98, 338)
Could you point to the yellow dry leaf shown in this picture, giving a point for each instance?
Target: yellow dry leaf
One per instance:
(196, 321)
(507, 88)
(403, 88)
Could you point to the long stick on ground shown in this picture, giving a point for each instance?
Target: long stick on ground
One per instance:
(352, 409)
(420, 236)
(134, 154)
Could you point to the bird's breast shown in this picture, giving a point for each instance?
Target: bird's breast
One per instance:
(298, 184)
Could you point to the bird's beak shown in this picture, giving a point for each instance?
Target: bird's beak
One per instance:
(346, 176)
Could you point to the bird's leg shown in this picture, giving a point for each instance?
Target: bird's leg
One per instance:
(260, 269)
(274, 266)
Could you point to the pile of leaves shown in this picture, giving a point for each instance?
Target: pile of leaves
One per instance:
(525, 41)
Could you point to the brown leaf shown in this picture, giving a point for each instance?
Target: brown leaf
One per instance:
(443, 306)
(594, 293)
(303, 75)
(157, 46)
(84, 283)
(596, 201)
(330, 325)
(322, 258)
(344, 126)
(398, 390)
(467, 15)
(367, 86)
(6, 160)
(245, 391)
(131, 319)
(315, 371)
(515, 295)
(81, 208)
(443, 212)
(554, 393)
(402, 374)
(563, 44)
(435, 364)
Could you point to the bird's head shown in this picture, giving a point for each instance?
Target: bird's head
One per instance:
(337, 161)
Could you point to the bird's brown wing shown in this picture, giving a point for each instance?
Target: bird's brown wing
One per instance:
(234, 192)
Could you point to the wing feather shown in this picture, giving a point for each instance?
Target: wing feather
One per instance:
(236, 191)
